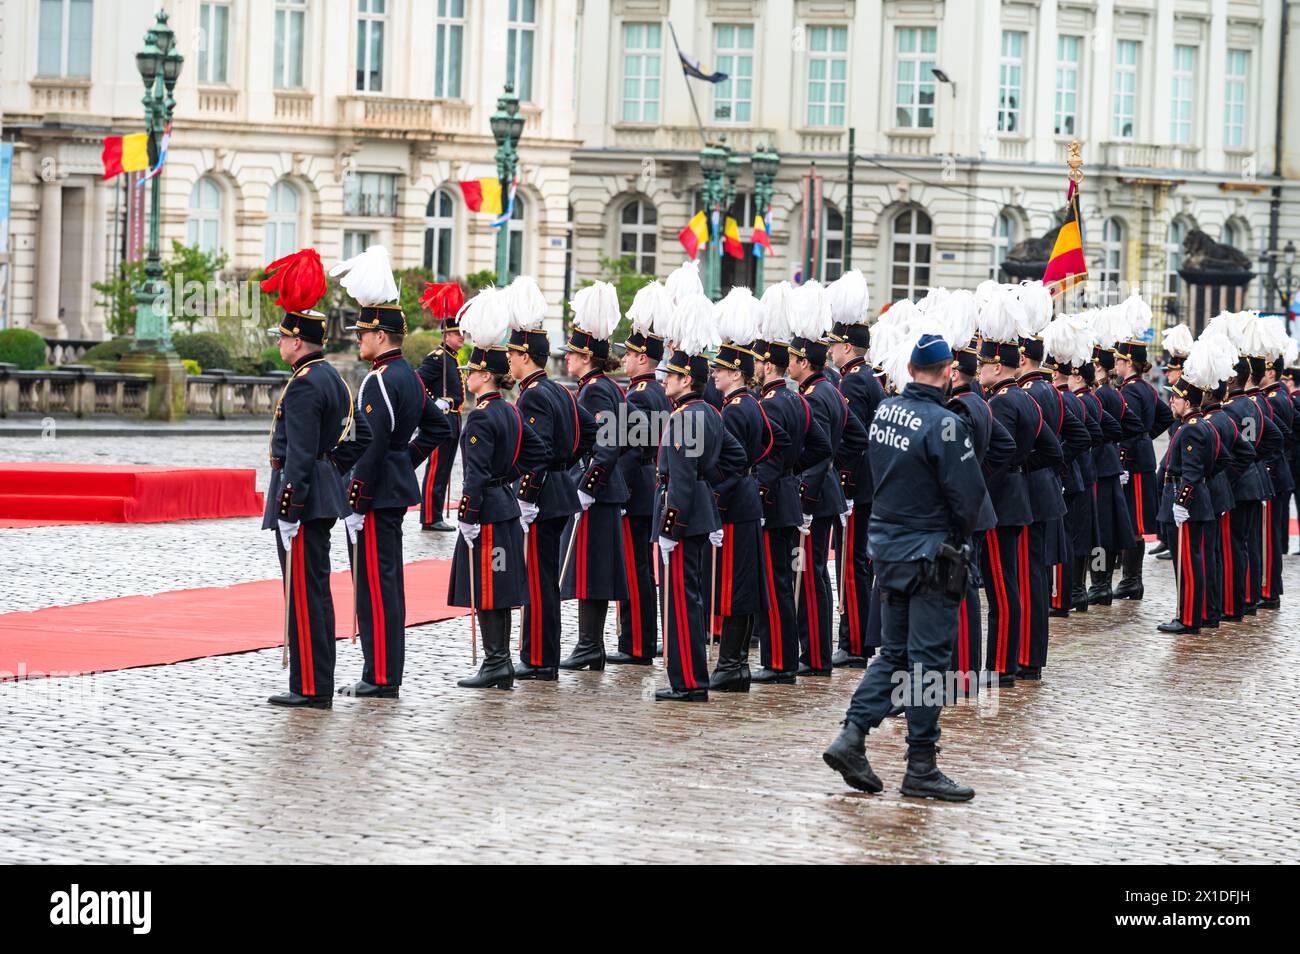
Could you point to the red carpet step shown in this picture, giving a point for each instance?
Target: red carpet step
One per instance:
(108, 493)
(187, 624)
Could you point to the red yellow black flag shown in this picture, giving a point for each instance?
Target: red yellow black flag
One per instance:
(1067, 267)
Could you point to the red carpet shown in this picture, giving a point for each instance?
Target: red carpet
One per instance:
(186, 624)
(107, 493)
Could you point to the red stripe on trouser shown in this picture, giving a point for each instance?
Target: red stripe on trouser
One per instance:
(297, 554)
(773, 610)
(963, 634)
(485, 567)
(580, 585)
(850, 587)
(683, 626)
(1266, 526)
(376, 603)
(814, 611)
(1137, 500)
(1189, 584)
(1000, 592)
(432, 478)
(633, 592)
(535, 601)
(1225, 524)
(728, 553)
(1026, 597)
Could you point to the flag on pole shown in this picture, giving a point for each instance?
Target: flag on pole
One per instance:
(731, 243)
(125, 154)
(1067, 266)
(482, 195)
(694, 235)
(691, 67)
(762, 238)
(162, 157)
(509, 210)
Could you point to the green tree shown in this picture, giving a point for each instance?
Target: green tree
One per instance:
(187, 263)
(627, 281)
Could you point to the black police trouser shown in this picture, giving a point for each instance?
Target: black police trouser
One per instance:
(437, 475)
(1274, 539)
(778, 628)
(637, 614)
(816, 602)
(917, 639)
(855, 581)
(1189, 562)
(1000, 569)
(686, 609)
(381, 597)
(311, 609)
(1034, 604)
(539, 644)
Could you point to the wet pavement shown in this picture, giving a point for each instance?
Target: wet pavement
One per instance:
(1136, 747)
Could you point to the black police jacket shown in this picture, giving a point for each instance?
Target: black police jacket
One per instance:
(648, 408)
(696, 453)
(863, 392)
(496, 448)
(745, 420)
(597, 474)
(928, 481)
(1255, 427)
(567, 431)
(807, 444)
(1137, 453)
(398, 425)
(1238, 458)
(1190, 461)
(1037, 448)
(1283, 413)
(313, 414)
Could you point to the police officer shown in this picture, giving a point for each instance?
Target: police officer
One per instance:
(647, 408)
(497, 447)
(305, 494)
(442, 380)
(393, 405)
(548, 494)
(927, 501)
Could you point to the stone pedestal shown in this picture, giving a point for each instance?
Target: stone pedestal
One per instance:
(1210, 291)
(167, 395)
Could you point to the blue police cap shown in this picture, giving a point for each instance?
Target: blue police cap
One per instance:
(931, 349)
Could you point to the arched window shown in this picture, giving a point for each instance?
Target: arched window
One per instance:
(1004, 236)
(909, 259)
(1233, 234)
(515, 256)
(1112, 260)
(833, 236)
(203, 227)
(439, 223)
(638, 224)
(281, 221)
(1178, 229)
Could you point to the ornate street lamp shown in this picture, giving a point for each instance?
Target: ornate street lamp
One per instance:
(1286, 288)
(713, 163)
(151, 352)
(507, 126)
(765, 161)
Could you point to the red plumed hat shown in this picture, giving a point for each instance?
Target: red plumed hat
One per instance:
(297, 280)
(443, 299)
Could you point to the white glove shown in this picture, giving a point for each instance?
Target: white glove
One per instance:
(844, 517)
(715, 538)
(666, 544)
(288, 531)
(442, 405)
(850, 510)
(1123, 477)
(1181, 516)
(469, 531)
(353, 523)
(806, 527)
(585, 500)
(527, 512)
(762, 521)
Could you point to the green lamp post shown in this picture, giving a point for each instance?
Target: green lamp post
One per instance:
(507, 126)
(151, 353)
(765, 161)
(713, 163)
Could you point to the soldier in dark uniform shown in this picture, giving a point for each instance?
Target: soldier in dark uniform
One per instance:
(1139, 459)
(1251, 496)
(443, 382)
(1223, 587)
(1278, 510)
(1104, 456)
(778, 481)
(305, 493)
(548, 495)
(695, 455)
(927, 502)
(647, 408)
(863, 392)
(394, 405)
(1115, 530)
(487, 567)
(596, 570)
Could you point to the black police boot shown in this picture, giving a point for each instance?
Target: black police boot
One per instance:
(535, 673)
(1130, 584)
(924, 780)
(590, 651)
(743, 649)
(440, 525)
(681, 695)
(1100, 593)
(496, 671)
(627, 659)
(807, 670)
(1079, 589)
(779, 677)
(727, 676)
(1176, 626)
(294, 701)
(843, 659)
(364, 690)
(848, 756)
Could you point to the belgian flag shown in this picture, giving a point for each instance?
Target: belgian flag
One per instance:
(1067, 267)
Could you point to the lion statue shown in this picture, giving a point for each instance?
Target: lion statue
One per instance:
(1202, 253)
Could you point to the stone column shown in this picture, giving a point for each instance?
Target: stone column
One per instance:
(49, 252)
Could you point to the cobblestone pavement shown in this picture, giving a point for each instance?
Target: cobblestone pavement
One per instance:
(1136, 747)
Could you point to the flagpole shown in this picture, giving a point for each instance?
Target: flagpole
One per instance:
(703, 138)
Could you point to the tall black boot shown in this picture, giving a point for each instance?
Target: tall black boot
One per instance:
(497, 672)
(1100, 593)
(924, 780)
(1130, 583)
(848, 756)
(745, 644)
(1079, 590)
(590, 651)
(728, 676)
